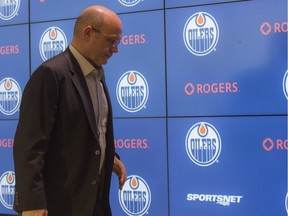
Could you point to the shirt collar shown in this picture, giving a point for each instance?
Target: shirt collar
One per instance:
(85, 65)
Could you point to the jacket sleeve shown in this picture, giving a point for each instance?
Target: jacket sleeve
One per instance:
(37, 115)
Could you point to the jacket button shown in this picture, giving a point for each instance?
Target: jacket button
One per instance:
(93, 182)
(97, 152)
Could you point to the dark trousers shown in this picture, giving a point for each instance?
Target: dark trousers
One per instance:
(99, 207)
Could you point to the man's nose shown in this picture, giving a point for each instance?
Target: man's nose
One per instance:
(114, 49)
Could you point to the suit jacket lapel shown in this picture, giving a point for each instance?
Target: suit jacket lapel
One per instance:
(110, 114)
(80, 84)
(107, 96)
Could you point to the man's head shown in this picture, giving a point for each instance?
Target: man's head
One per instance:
(97, 33)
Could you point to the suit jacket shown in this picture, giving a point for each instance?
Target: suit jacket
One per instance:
(56, 145)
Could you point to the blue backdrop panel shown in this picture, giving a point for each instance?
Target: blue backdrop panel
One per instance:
(48, 39)
(7, 130)
(13, 12)
(14, 72)
(141, 50)
(173, 3)
(43, 10)
(126, 6)
(222, 59)
(250, 171)
(141, 144)
(241, 73)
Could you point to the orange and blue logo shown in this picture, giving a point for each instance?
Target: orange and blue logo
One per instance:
(132, 91)
(135, 197)
(9, 9)
(285, 84)
(201, 34)
(203, 144)
(10, 96)
(52, 42)
(129, 3)
(7, 189)
(286, 203)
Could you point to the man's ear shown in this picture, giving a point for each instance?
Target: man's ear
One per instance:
(87, 33)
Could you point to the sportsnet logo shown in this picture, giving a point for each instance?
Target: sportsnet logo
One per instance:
(7, 189)
(135, 197)
(9, 9)
(203, 144)
(224, 200)
(10, 96)
(201, 34)
(132, 91)
(129, 3)
(53, 41)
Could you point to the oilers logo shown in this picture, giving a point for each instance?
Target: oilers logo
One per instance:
(129, 3)
(203, 144)
(201, 34)
(10, 96)
(286, 203)
(135, 197)
(9, 9)
(7, 191)
(285, 84)
(53, 41)
(132, 91)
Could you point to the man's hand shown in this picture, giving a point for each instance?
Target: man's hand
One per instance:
(120, 171)
(40, 212)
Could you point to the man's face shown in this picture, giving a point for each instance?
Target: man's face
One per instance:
(103, 44)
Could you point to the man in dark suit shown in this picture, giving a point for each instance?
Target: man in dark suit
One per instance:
(64, 151)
